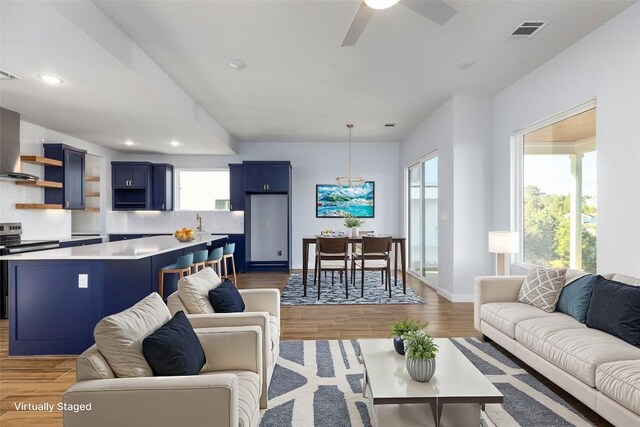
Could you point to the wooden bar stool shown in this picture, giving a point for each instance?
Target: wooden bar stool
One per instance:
(199, 258)
(181, 267)
(214, 260)
(227, 254)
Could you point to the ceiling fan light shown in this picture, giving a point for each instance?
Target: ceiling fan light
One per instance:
(380, 4)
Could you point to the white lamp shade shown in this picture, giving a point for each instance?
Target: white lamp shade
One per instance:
(504, 242)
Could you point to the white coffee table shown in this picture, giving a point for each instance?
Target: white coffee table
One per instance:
(455, 396)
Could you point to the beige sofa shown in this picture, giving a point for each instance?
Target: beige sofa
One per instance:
(225, 393)
(600, 370)
(262, 309)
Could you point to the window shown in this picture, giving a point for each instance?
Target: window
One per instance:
(202, 189)
(423, 218)
(559, 194)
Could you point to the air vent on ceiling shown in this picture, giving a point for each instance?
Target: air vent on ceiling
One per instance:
(7, 75)
(389, 125)
(526, 30)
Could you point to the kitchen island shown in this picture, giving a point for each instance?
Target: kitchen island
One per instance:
(56, 297)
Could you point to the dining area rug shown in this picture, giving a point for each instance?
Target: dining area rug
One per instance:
(374, 291)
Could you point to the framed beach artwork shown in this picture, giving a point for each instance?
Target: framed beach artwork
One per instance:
(333, 201)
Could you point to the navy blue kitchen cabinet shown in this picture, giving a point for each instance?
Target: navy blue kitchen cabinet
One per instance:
(162, 187)
(132, 186)
(131, 174)
(267, 177)
(236, 187)
(71, 175)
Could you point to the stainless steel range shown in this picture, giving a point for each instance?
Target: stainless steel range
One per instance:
(12, 243)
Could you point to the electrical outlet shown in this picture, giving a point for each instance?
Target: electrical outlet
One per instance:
(83, 281)
(279, 253)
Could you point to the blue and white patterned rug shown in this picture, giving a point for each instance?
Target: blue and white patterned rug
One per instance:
(374, 292)
(319, 383)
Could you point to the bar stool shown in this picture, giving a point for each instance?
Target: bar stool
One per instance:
(181, 267)
(199, 258)
(227, 253)
(214, 259)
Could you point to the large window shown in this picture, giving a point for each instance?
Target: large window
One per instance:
(559, 198)
(423, 218)
(202, 189)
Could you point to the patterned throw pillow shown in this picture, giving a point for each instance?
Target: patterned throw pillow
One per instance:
(541, 288)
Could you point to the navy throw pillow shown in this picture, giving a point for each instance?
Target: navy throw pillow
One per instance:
(174, 349)
(615, 309)
(225, 298)
(575, 297)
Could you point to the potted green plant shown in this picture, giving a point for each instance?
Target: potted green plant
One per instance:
(352, 223)
(401, 329)
(421, 356)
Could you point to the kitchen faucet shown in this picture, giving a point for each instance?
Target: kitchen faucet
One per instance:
(199, 219)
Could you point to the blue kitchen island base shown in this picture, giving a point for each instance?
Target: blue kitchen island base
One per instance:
(53, 311)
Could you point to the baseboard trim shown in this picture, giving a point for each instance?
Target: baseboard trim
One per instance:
(453, 297)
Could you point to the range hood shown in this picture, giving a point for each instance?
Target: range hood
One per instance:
(10, 147)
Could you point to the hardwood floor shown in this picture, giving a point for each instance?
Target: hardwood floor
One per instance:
(44, 379)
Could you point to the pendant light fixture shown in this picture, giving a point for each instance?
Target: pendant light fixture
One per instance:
(350, 181)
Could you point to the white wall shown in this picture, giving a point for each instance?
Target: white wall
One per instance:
(39, 224)
(435, 133)
(312, 163)
(461, 132)
(604, 65)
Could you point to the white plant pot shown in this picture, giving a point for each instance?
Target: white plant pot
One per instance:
(354, 232)
(421, 370)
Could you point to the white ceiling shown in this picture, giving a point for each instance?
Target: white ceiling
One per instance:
(299, 85)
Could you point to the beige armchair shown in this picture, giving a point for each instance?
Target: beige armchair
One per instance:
(262, 309)
(226, 393)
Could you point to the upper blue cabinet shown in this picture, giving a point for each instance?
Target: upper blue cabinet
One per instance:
(162, 187)
(236, 187)
(267, 177)
(71, 175)
(142, 186)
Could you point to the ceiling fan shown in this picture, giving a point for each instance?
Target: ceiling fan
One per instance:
(438, 11)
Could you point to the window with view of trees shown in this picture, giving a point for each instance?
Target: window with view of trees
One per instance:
(559, 212)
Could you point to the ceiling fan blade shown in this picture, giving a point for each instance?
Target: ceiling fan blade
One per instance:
(360, 20)
(438, 11)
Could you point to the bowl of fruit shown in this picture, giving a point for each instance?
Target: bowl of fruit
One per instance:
(184, 234)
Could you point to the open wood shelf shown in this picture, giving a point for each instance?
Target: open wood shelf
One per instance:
(91, 178)
(38, 160)
(92, 194)
(38, 206)
(47, 184)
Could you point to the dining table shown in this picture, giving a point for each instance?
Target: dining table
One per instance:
(399, 244)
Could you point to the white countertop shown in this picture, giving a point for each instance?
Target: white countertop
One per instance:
(124, 249)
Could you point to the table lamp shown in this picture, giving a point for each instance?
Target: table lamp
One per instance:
(502, 243)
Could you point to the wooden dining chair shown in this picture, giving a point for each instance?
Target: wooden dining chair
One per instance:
(332, 254)
(374, 257)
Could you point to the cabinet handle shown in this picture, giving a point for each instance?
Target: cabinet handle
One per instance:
(66, 203)
(163, 206)
(267, 186)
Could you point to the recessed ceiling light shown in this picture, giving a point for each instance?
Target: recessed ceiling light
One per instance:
(466, 63)
(127, 142)
(238, 64)
(50, 79)
(174, 143)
